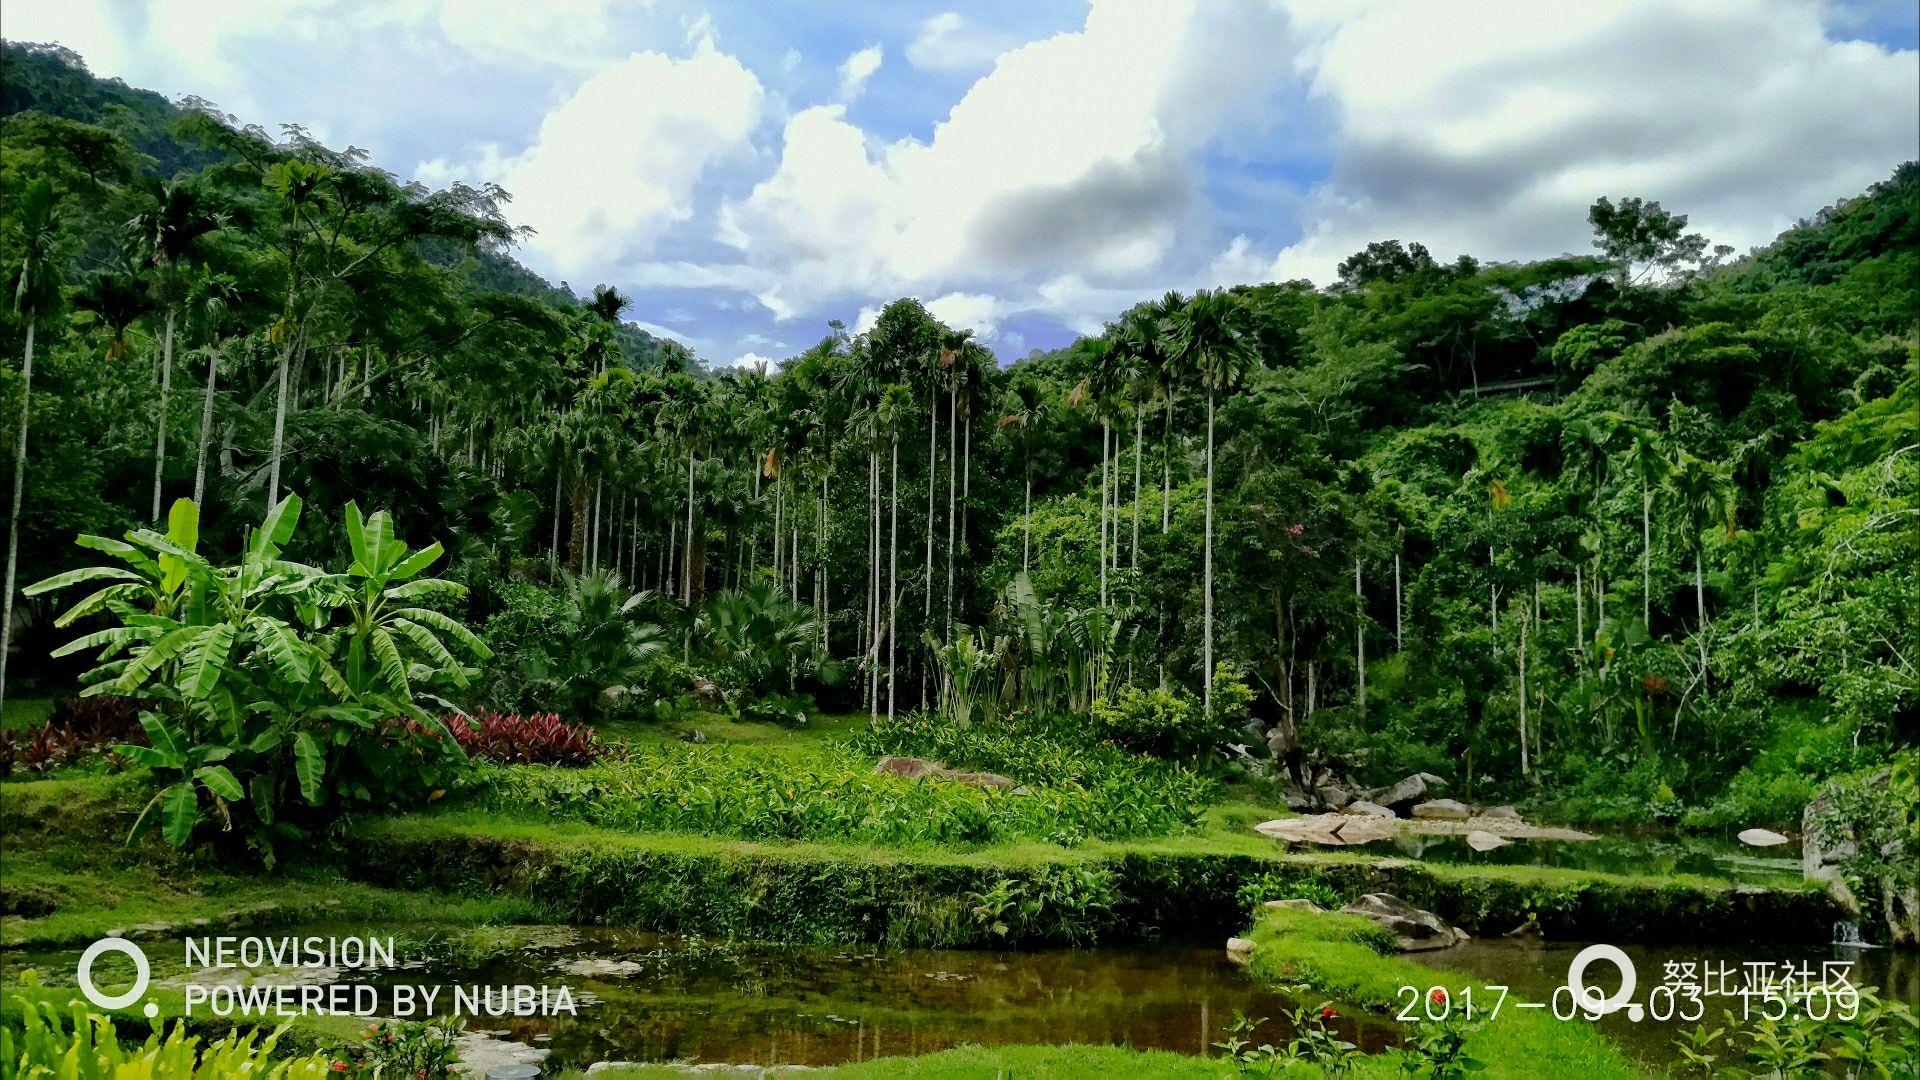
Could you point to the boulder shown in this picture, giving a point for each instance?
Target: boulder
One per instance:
(1506, 813)
(909, 767)
(1362, 807)
(1240, 950)
(1295, 904)
(1443, 810)
(1412, 789)
(1762, 838)
(1414, 930)
(1333, 795)
(1482, 840)
(692, 735)
(706, 694)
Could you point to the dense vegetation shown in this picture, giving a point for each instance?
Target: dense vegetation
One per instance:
(1632, 531)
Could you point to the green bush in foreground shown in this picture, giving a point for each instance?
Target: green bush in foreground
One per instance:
(1034, 751)
(833, 794)
(269, 675)
(36, 1040)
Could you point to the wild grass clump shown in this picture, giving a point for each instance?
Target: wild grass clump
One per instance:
(833, 793)
(1034, 751)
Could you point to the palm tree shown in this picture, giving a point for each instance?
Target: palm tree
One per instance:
(1141, 332)
(1704, 496)
(1160, 314)
(164, 235)
(210, 299)
(1028, 416)
(1211, 341)
(1098, 392)
(1650, 466)
(36, 294)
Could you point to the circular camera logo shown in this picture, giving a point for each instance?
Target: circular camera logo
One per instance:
(84, 976)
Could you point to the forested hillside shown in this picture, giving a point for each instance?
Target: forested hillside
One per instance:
(1631, 532)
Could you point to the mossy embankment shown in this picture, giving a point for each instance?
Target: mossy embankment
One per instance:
(1024, 894)
(1349, 959)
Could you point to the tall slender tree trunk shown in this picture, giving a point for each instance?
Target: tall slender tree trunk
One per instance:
(1526, 768)
(13, 514)
(166, 393)
(1207, 586)
(596, 526)
(1103, 513)
(1399, 624)
(1139, 420)
(1166, 467)
(820, 547)
(1646, 555)
(577, 525)
(688, 560)
(1700, 605)
(279, 427)
(553, 548)
(779, 508)
(1026, 516)
(893, 574)
(206, 427)
(1359, 640)
(873, 582)
(953, 460)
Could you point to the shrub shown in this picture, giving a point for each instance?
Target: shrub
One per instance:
(1276, 886)
(39, 1041)
(1168, 723)
(389, 1048)
(513, 738)
(76, 729)
(562, 649)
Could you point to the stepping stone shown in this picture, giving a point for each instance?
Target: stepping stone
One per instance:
(1482, 840)
(1414, 930)
(1361, 807)
(1240, 950)
(1763, 838)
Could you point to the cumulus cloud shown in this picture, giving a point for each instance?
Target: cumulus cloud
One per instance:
(1487, 129)
(857, 69)
(618, 161)
(1050, 163)
(949, 44)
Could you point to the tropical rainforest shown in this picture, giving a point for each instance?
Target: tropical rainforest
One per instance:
(1627, 535)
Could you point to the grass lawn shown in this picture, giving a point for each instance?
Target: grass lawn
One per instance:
(25, 713)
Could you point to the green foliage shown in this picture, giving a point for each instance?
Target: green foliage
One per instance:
(1860, 1033)
(563, 650)
(1166, 722)
(269, 674)
(831, 793)
(1274, 885)
(38, 1039)
(402, 1049)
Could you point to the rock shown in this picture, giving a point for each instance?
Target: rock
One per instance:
(613, 697)
(1762, 838)
(1295, 904)
(1297, 800)
(1482, 840)
(1442, 810)
(1414, 930)
(981, 779)
(1506, 813)
(1330, 830)
(1411, 789)
(1368, 809)
(706, 693)
(909, 767)
(1333, 795)
(1240, 950)
(692, 735)
(600, 967)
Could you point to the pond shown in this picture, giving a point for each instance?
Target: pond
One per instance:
(1703, 856)
(653, 997)
(1534, 970)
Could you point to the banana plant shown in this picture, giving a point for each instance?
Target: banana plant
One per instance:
(272, 671)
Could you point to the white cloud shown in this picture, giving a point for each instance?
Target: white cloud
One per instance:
(968, 311)
(752, 360)
(619, 161)
(949, 44)
(1488, 129)
(1049, 164)
(564, 33)
(857, 69)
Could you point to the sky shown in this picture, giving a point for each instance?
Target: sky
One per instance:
(1030, 168)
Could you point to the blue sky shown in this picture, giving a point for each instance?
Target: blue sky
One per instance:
(749, 171)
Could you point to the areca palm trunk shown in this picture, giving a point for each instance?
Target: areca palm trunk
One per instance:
(13, 514)
(1700, 605)
(1207, 576)
(1359, 640)
(166, 392)
(893, 573)
(873, 582)
(1103, 513)
(688, 560)
(1026, 529)
(1139, 416)
(1166, 467)
(1646, 554)
(279, 427)
(206, 427)
(553, 548)
(953, 431)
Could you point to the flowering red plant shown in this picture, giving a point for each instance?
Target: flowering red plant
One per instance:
(534, 739)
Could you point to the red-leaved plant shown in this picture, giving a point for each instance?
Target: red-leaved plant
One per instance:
(536, 739)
